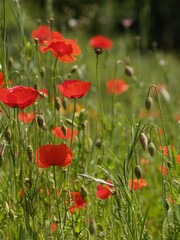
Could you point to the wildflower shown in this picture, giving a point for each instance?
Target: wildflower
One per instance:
(103, 191)
(74, 88)
(18, 96)
(59, 134)
(53, 155)
(120, 87)
(145, 161)
(63, 49)
(2, 82)
(178, 159)
(137, 183)
(43, 33)
(163, 170)
(53, 226)
(77, 202)
(20, 193)
(165, 150)
(101, 42)
(43, 92)
(127, 22)
(26, 117)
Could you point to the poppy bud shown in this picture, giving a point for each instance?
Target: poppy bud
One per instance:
(84, 192)
(74, 69)
(8, 135)
(148, 103)
(69, 75)
(30, 153)
(69, 121)
(92, 227)
(2, 149)
(64, 129)
(12, 214)
(28, 50)
(166, 204)
(151, 149)
(98, 51)
(169, 165)
(38, 21)
(36, 40)
(138, 172)
(143, 141)
(36, 86)
(98, 143)
(83, 125)
(57, 104)
(129, 71)
(41, 122)
(64, 103)
(99, 160)
(27, 183)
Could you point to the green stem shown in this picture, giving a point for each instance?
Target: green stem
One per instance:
(4, 45)
(73, 124)
(57, 199)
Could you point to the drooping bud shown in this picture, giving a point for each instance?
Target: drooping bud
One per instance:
(64, 129)
(143, 141)
(151, 149)
(92, 227)
(36, 41)
(2, 149)
(138, 172)
(30, 152)
(74, 69)
(148, 103)
(41, 122)
(129, 71)
(8, 135)
(64, 103)
(57, 104)
(98, 51)
(84, 192)
(166, 204)
(98, 143)
(36, 86)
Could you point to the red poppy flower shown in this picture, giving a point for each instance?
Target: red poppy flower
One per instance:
(121, 86)
(59, 134)
(163, 170)
(54, 155)
(26, 117)
(77, 201)
(43, 92)
(53, 226)
(137, 182)
(165, 150)
(18, 96)
(178, 159)
(99, 41)
(74, 88)
(43, 33)
(2, 83)
(103, 191)
(64, 49)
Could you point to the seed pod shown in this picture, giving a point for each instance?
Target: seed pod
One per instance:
(84, 192)
(138, 172)
(143, 141)
(98, 51)
(129, 71)
(30, 153)
(92, 227)
(148, 103)
(8, 135)
(57, 104)
(166, 204)
(151, 149)
(64, 129)
(98, 143)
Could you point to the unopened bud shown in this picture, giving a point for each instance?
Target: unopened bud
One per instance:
(12, 214)
(129, 71)
(84, 192)
(36, 40)
(74, 69)
(98, 51)
(27, 183)
(92, 227)
(166, 204)
(169, 165)
(138, 172)
(64, 103)
(57, 104)
(30, 153)
(98, 143)
(2, 149)
(143, 141)
(41, 122)
(64, 129)
(8, 135)
(36, 86)
(148, 103)
(69, 75)
(151, 149)
(83, 125)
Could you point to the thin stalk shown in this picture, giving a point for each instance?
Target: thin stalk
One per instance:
(4, 45)
(73, 123)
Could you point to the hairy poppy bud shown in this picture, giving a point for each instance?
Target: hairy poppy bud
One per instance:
(129, 71)
(92, 227)
(57, 104)
(64, 129)
(98, 51)
(148, 103)
(84, 192)
(41, 122)
(36, 40)
(30, 153)
(36, 86)
(64, 103)
(98, 143)
(143, 141)
(2, 149)
(151, 149)
(99, 160)
(69, 75)
(138, 172)
(8, 135)
(166, 204)
(74, 68)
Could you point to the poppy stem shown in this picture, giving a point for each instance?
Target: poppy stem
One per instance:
(54, 85)
(73, 123)
(57, 199)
